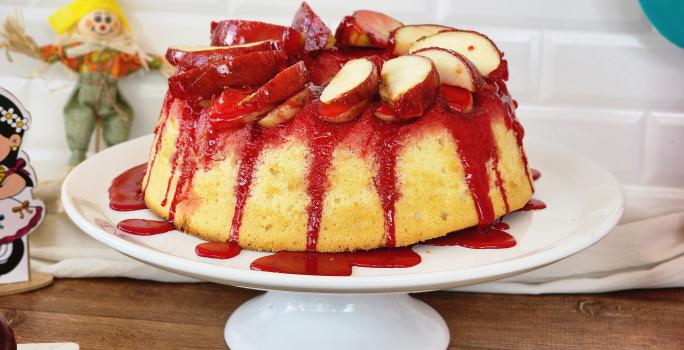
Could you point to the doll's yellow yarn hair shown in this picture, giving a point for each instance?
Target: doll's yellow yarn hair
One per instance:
(66, 17)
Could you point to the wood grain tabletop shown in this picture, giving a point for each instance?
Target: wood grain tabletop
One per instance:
(130, 314)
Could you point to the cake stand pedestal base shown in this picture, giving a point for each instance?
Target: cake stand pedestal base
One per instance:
(289, 320)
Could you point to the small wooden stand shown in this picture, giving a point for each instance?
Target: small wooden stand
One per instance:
(37, 280)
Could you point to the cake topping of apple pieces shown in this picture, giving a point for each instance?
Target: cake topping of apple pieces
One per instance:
(266, 73)
(366, 28)
(476, 47)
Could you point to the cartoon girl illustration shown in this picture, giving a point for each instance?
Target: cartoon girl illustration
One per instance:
(20, 213)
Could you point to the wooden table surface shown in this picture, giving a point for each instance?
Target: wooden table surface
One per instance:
(129, 314)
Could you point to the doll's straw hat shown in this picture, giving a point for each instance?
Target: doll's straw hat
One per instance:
(66, 17)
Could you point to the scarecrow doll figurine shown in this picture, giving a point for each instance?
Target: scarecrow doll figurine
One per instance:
(95, 42)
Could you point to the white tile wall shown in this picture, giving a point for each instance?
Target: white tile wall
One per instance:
(590, 74)
(664, 163)
(610, 137)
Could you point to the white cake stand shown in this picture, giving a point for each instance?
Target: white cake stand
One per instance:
(370, 309)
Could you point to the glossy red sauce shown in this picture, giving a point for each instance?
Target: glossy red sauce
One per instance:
(500, 226)
(158, 131)
(476, 146)
(335, 264)
(474, 238)
(183, 161)
(323, 138)
(125, 192)
(533, 204)
(389, 135)
(144, 227)
(217, 250)
(248, 158)
(536, 174)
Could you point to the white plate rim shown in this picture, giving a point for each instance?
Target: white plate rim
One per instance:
(334, 284)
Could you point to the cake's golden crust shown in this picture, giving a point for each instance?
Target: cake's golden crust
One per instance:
(434, 201)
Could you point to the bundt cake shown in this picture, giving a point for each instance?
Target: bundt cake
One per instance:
(292, 138)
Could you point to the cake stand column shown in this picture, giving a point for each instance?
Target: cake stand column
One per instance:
(290, 320)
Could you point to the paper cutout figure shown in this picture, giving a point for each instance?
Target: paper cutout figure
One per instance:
(20, 213)
(95, 42)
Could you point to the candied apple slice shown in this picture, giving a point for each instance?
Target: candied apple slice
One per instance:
(409, 85)
(366, 28)
(355, 82)
(317, 34)
(286, 110)
(383, 112)
(401, 38)
(457, 98)
(252, 69)
(233, 32)
(285, 84)
(476, 47)
(187, 57)
(453, 68)
(226, 112)
(341, 114)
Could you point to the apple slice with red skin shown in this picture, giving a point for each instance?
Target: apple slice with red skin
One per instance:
(401, 38)
(225, 112)
(383, 112)
(282, 86)
(317, 34)
(341, 114)
(453, 68)
(188, 57)
(234, 32)
(251, 69)
(229, 110)
(457, 98)
(357, 81)
(286, 110)
(366, 28)
(324, 64)
(476, 47)
(409, 85)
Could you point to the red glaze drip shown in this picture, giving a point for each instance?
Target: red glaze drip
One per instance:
(536, 174)
(475, 238)
(159, 131)
(499, 184)
(323, 139)
(125, 192)
(500, 226)
(385, 180)
(512, 122)
(476, 146)
(533, 204)
(144, 227)
(217, 250)
(248, 158)
(183, 157)
(335, 264)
